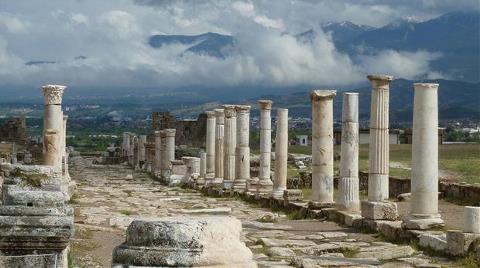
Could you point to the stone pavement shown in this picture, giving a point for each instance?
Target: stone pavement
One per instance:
(108, 198)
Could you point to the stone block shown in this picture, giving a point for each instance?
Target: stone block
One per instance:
(319, 205)
(459, 243)
(211, 241)
(292, 195)
(379, 210)
(385, 252)
(435, 241)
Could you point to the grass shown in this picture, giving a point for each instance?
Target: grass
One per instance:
(349, 252)
(462, 160)
(128, 192)
(469, 262)
(126, 212)
(73, 199)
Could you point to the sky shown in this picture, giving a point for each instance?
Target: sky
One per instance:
(104, 43)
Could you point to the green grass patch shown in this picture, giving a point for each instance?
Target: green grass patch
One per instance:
(126, 212)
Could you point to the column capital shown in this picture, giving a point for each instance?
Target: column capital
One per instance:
(425, 86)
(157, 133)
(316, 95)
(170, 132)
(229, 111)
(219, 113)
(210, 114)
(380, 80)
(242, 108)
(53, 94)
(163, 134)
(265, 104)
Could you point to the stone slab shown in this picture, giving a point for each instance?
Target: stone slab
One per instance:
(379, 210)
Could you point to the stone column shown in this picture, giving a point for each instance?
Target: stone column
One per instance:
(210, 146)
(136, 152)
(65, 148)
(349, 199)
(471, 220)
(53, 122)
(165, 165)
(265, 184)
(230, 142)
(281, 154)
(377, 207)
(158, 145)
(131, 148)
(322, 147)
(219, 140)
(203, 170)
(170, 144)
(242, 151)
(142, 142)
(124, 145)
(379, 138)
(424, 183)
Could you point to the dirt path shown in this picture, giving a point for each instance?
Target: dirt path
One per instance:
(108, 198)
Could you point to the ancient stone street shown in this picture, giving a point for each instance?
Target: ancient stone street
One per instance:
(109, 197)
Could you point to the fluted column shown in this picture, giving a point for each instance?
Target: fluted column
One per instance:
(265, 183)
(379, 138)
(349, 199)
(142, 141)
(322, 146)
(230, 142)
(210, 145)
(158, 146)
(424, 183)
(219, 143)
(242, 151)
(281, 154)
(53, 122)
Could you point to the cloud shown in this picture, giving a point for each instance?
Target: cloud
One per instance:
(12, 24)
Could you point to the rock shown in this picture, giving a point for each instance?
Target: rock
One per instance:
(404, 197)
(331, 261)
(458, 243)
(272, 242)
(379, 210)
(268, 217)
(414, 261)
(210, 211)
(265, 225)
(202, 241)
(385, 252)
(199, 206)
(280, 252)
(437, 242)
(333, 235)
(129, 177)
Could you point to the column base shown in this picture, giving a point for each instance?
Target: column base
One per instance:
(316, 205)
(378, 210)
(252, 185)
(264, 187)
(239, 185)
(423, 221)
(278, 193)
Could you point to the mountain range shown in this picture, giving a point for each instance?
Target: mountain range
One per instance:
(454, 36)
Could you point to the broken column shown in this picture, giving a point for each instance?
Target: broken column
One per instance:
(230, 142)
(203, 170)
(53, 123)
(142, 142)
(465, 241)
(158, 145)
(219, 140)
(242, 151)
(170, 144)
(265, 184)
(165, 165)
(281, 154)
(322, 147)
(210, 146)
(424, 183)
(125, 145)
(377, 207)
(349, 199)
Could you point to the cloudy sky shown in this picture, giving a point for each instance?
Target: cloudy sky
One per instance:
(104, 42)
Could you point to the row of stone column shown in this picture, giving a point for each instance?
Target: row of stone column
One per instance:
(226, 162)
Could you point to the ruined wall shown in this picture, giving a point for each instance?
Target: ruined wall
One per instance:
(189, 132)
(14, 130)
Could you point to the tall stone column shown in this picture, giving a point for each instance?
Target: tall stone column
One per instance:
(53, 121)
(136, 152)
(265, 184)
(210, 146)
(124, 145)
(349, 199)
(170, 144)
(65, 149)
(165, 165)
(281, 154)
(203, 170)
(379, 139)
(322, 147)
(142, 142)
(131, 150)
(158, 145)
(219, 142)
(242, 151)
(424, 183)
(377, 206)
(230, 142)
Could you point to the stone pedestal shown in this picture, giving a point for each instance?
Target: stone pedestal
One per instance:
(242, 151)
(281, 154)
(230, 142)
(265, 185)
(219, 143)
(186, 242)
(424, 183)
(379, 210)
(349, 199)
(322, 146)
(210, 146)
(53, 122)
(35, 221)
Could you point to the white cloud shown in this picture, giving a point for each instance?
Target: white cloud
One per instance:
(12, 24)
